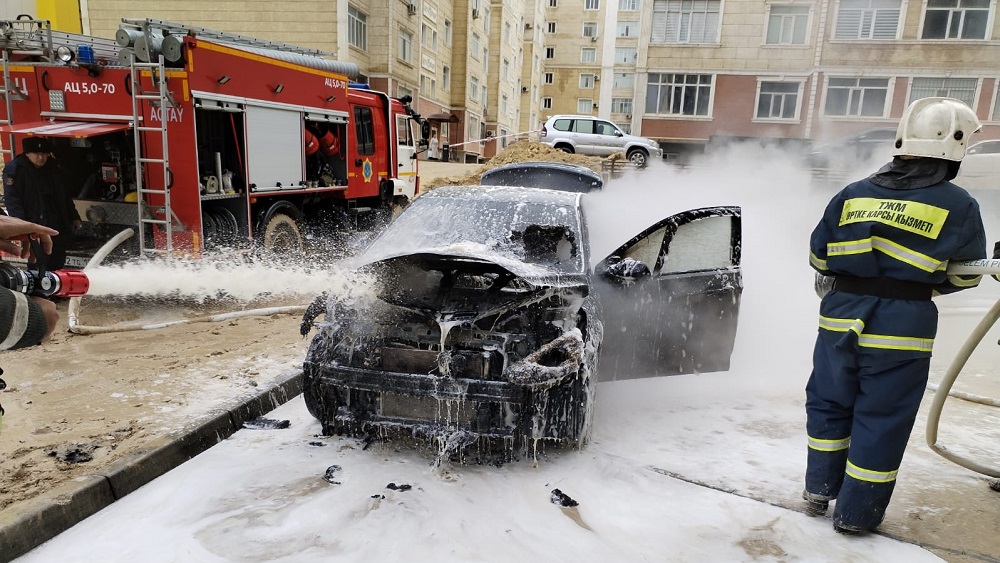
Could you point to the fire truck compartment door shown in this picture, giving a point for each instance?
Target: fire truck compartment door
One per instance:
(71, 129)
(274, 147)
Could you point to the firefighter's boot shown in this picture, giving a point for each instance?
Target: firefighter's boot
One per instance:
(816, 505)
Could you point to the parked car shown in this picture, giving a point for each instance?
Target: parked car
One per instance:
(873, 146)
(552, 175)
(585, 134)
(980, 169)
(484, 322)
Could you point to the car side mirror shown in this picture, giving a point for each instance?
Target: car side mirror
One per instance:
(619, 134)
(625, 271)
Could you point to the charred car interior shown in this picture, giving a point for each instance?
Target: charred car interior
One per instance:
(478, 320)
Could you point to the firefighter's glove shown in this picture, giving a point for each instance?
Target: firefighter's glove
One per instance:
(823, 284)
(996, 249)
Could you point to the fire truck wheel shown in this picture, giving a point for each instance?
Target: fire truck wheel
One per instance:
(282, 236)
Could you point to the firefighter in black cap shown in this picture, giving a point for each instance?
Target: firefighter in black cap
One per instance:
(34, 191)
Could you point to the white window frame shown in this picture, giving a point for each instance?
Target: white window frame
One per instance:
(475, 41)
(550, 53)
(546, 103)
(590, 29)
(678, 21)
(446, 78)
(623, 80)
(582, 105)
(404, 46)
(550, 27)
(777, 101)
(961, 88)
(473, 88)
(357, 23)
(678, 89)
(587, 81)
(448, 31)
(627, 29)
(549, 78)
(957, 16)
(864, 20)
(588, 55)
(790, 22)
(626, 55)
(591, 4)
(621, 105)
(628, 5)
(858, 90)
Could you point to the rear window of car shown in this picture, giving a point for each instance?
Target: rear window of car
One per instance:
(562, 124)
(985, 148)
(584, 126)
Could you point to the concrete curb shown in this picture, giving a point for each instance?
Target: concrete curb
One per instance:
(43, 518)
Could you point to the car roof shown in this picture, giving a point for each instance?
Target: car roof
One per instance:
(509, 194)
(544, 174)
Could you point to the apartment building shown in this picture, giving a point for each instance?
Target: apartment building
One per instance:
(685, 72)
(690, 72)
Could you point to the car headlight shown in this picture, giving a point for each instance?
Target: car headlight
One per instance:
(551, 363)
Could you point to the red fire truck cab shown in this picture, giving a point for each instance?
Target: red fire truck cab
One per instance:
(203, 140)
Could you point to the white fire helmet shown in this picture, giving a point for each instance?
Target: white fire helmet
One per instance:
(937, 128)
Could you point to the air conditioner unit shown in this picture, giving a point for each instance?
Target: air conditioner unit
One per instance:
(524, 89)
(597, 78)
(411, 9)
(527, 26)
(628, 116)
(593, 38)
(490, 133)
(475, 13)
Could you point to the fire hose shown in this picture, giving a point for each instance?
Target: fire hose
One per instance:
(943, 390)
(74, 302)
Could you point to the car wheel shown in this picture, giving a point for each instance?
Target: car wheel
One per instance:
(282, 236)
(638, 157)
(566, 148)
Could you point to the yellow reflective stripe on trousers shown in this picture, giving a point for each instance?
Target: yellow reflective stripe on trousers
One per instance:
(896, 342)
(829, 445)
(841, 325)
(883, 341)
(886, 246)
(862, 474)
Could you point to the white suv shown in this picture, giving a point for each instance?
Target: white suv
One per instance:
(586, 134)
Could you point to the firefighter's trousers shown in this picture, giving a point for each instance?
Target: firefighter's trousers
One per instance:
(860, 407)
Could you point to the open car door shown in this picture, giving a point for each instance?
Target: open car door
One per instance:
(671, 296)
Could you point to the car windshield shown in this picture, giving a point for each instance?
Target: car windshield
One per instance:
(543, 234)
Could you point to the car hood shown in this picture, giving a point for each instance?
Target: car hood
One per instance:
(470, 256)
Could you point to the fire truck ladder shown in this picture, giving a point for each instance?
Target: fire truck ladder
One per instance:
(155, 216)
(9, 91)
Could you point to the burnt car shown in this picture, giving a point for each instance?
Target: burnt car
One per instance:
(482, 322)
(551, 175)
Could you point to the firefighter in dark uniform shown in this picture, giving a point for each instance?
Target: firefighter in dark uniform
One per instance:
(34, 190)
(884, 243)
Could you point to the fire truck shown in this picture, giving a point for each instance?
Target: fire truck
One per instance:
(204, 140)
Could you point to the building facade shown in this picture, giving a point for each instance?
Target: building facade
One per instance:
(685, 72)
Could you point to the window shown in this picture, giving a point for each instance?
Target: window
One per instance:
(357, 28)
(867, 19)
(679, 94)
(625, 127)
(550, 52)
(628, 29)
(590, 29)
(546, 103)
(506, 33)
(550, 77)
(960, 88)
(475, 45)
(625, 55)
(623, 80)
(787, 25)
(428, 86)
(591, 4)
(503, 105)
(586, 80)
(778, 100)
(588, 55)
(956, 19)
(685, 21)
(996, 106)
(446, 78)
(473, 88)
(621, 105)
(553, 3)
(505, 70)
(584, 105)
(550, 27)
(628, 5)
(428, 37)
(405, 52)
(856, 97)
(447, 32)
(364, 130)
